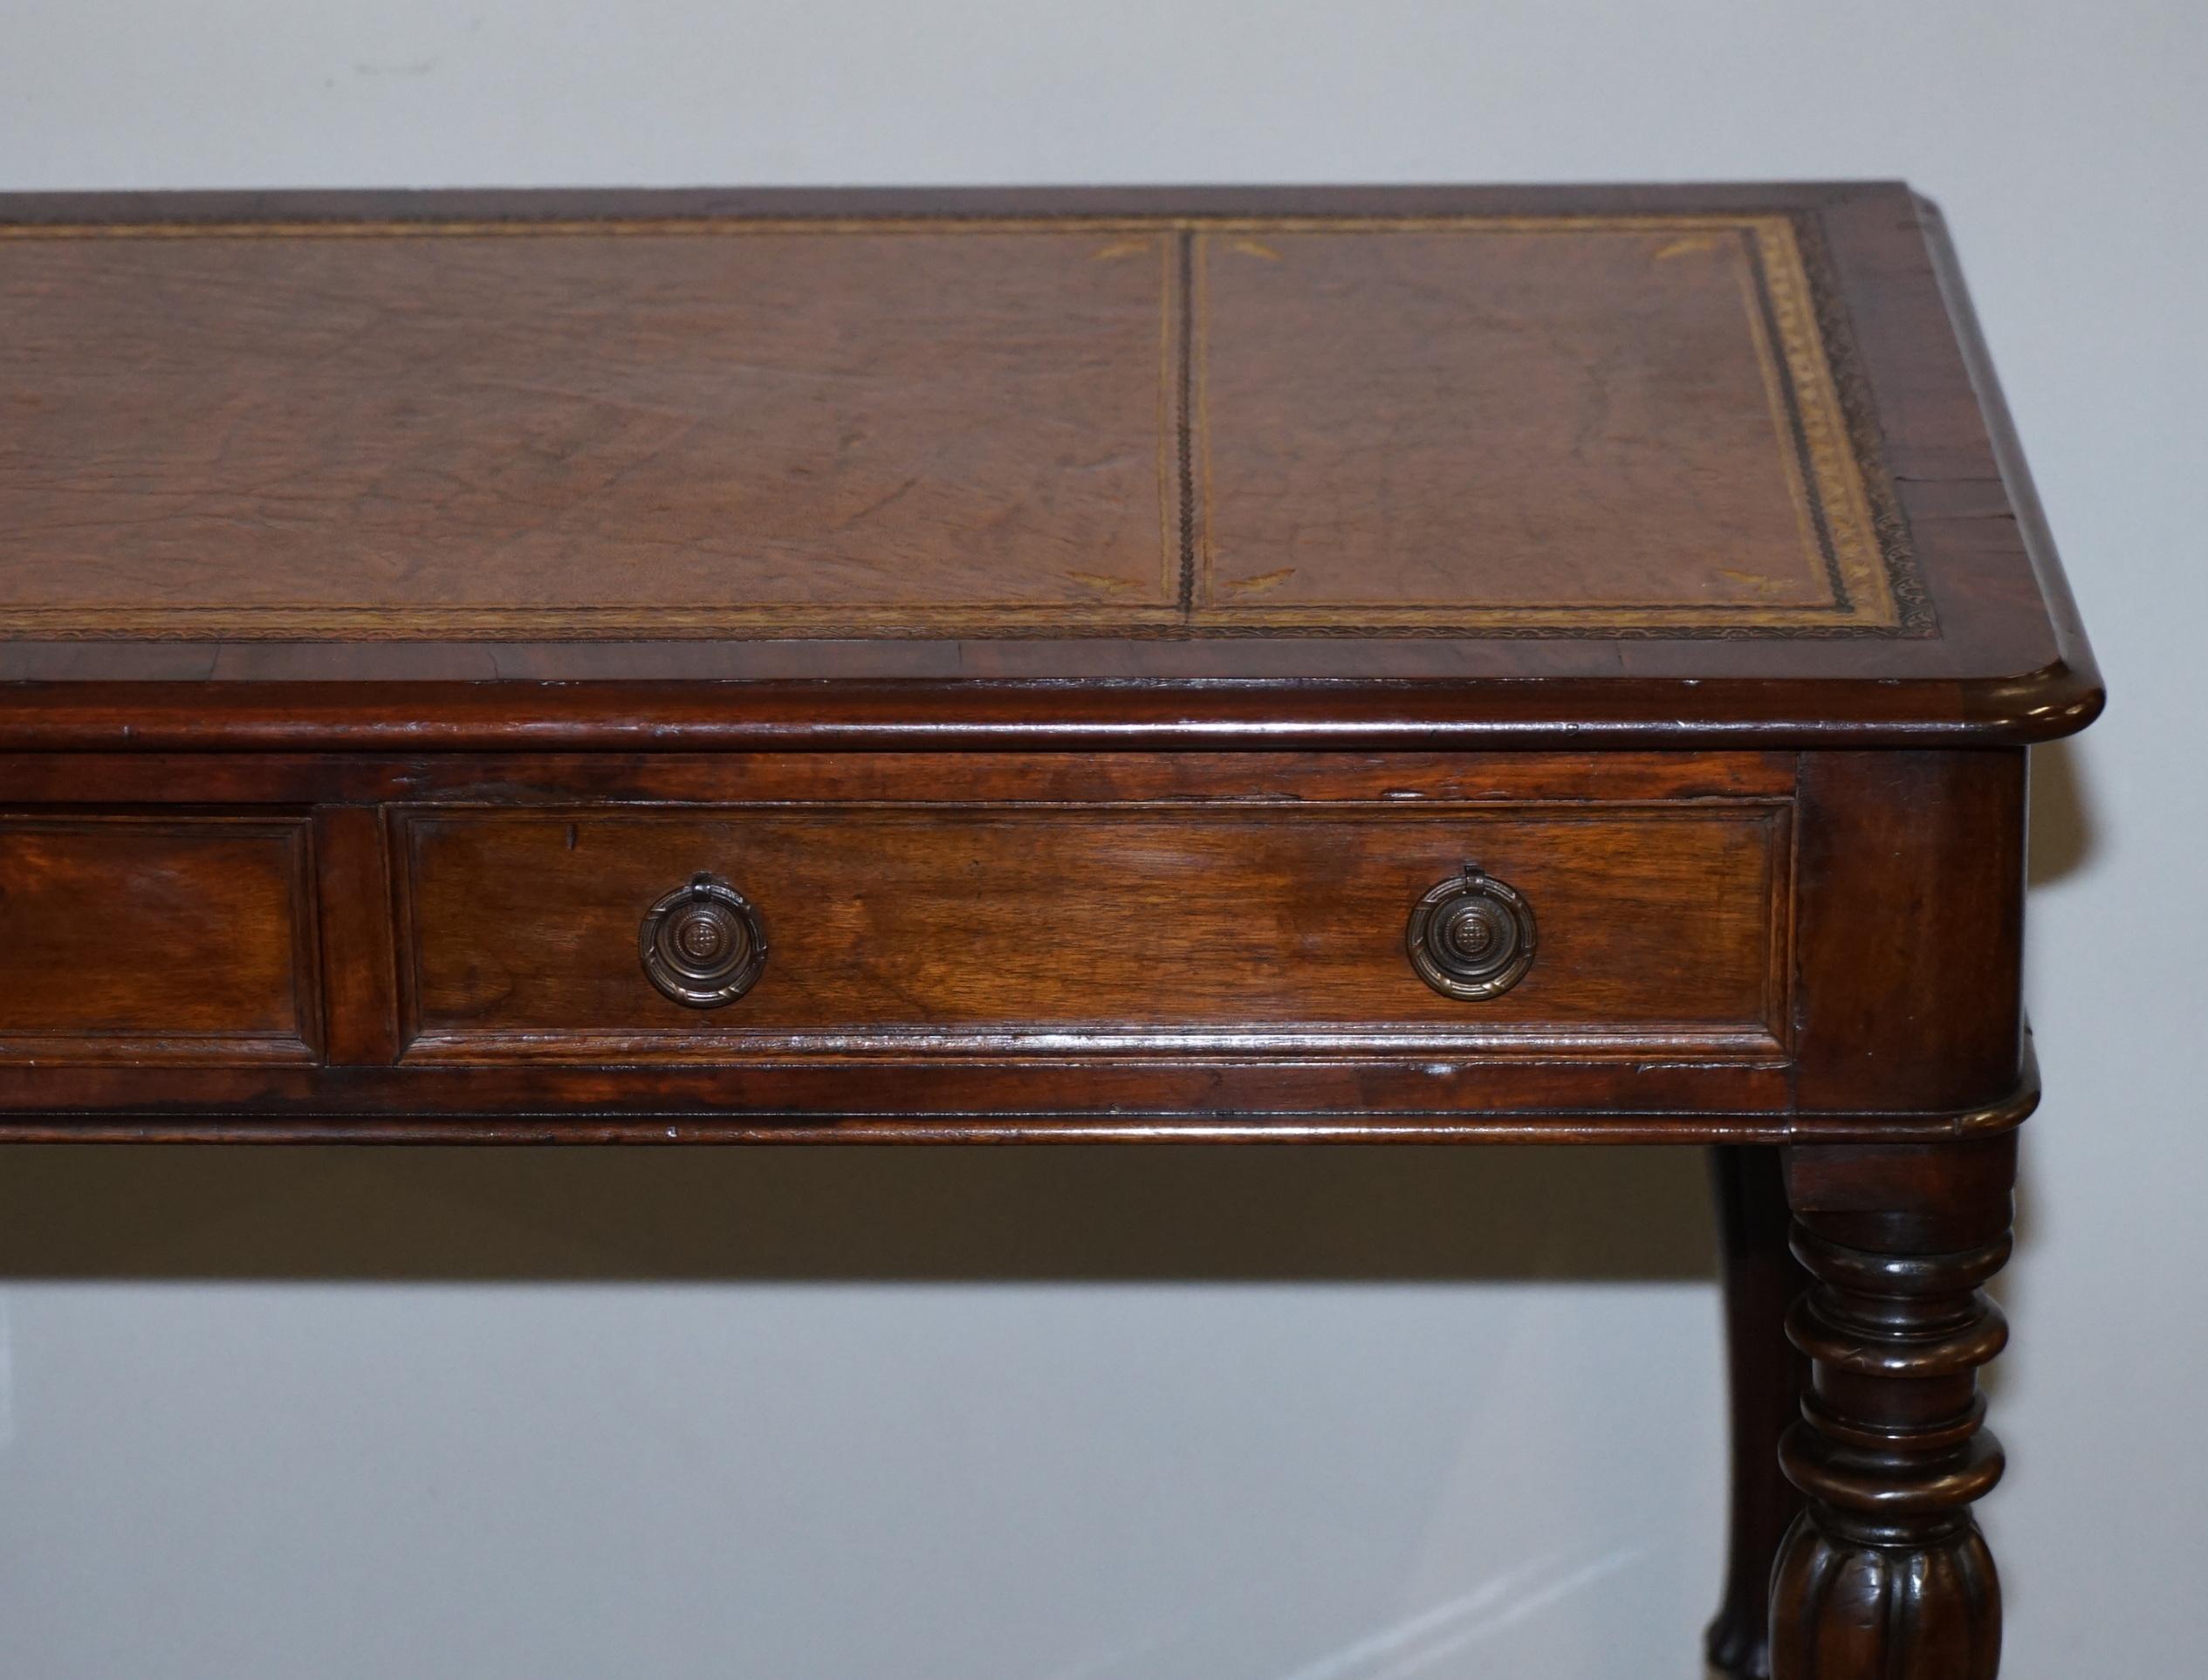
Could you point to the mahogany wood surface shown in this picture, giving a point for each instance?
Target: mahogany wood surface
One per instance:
(1732, 945)
(1079, 628)
(145, 938)
(1104, 926)
(1761, 1281)
(1884, 1572)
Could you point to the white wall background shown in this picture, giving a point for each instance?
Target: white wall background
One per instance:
(1082, 1415)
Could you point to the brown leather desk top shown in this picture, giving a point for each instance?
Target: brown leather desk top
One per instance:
(1222, 464)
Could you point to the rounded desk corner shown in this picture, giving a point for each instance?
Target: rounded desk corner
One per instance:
(1992, 1118)
(2055, 700)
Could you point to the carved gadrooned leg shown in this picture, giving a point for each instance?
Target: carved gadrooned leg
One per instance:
(1885, 1573)
(1766, 1379)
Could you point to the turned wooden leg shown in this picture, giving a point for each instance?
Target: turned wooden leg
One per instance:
(1767, 1377)
(1884, 1574)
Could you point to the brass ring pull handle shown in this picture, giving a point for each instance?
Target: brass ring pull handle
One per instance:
(702, 944)
(1471, 938)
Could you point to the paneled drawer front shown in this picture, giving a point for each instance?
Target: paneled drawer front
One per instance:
(986, 928)
(156, 938)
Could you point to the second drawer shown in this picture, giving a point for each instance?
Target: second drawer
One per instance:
(983, 928)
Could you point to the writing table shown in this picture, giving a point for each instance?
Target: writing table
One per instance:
(1534, 665)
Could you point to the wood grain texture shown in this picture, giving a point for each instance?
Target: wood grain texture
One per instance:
(1910, 928)
(155, 939)
(359, 982)
(255, 778)
(1063, 1099)
(1020, 930)
(969, 941)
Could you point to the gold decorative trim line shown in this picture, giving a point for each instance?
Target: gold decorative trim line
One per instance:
(1856, 550)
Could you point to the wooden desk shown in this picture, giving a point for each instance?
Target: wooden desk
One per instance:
(1300, 666)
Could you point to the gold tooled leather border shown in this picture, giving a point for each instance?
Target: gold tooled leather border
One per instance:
(1821, 411)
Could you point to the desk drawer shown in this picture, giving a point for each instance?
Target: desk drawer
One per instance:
(151, 938)
(994, 929)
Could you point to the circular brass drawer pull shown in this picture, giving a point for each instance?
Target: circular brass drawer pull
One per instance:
(1471, 938)
(702, 944)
